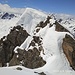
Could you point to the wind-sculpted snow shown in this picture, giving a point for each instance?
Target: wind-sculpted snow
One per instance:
(51, 41)
(57, 63)
(30, 18)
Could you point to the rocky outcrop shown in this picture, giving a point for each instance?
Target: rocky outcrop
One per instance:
(60, 28)
(36, 39)
(42, 24)
(68, 46)
(7, 44)
(30, 59)
(19, 68)
(37, 42)
(18, 34)
(7, 16)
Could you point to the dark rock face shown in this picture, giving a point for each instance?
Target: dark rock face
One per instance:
(29, 59)
(18, 34)
(12, 15)
(33, 60)
(60, 20)
(19, 68)
(43, 24)
(60, 28)
(7, 44)
(36, 40)
(42, 73)
(7, 16)
(2, 55)
(14, 61)
(68, 46)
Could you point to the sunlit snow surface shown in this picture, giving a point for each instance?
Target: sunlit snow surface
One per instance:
(30, 18)
(6, 25)
(56, 60)
(57, 64)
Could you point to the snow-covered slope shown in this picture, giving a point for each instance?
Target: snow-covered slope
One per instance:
(7, 24)
(57, 63)
(8, 18)
(13, 70)
(30, 18)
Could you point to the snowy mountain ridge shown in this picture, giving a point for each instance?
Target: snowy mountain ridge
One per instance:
(30, 18)
(34, 34)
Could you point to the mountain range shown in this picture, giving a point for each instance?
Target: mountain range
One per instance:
(33, 42)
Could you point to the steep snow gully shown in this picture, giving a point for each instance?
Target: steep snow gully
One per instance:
(51, 42)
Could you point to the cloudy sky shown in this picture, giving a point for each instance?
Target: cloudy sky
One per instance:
(55, 6)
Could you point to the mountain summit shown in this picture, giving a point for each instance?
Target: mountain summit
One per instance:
(30, 18)
(36, 43)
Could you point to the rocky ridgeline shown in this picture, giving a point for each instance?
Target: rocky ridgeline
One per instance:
(7, 44)
(68, 45)
(30, 58)
(42, 24)
(7, 16)
(68, 42)
(60, 28)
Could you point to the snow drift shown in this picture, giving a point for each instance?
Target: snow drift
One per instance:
(56, 61)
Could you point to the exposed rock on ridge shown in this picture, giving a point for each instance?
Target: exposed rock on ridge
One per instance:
(7, 44)
(68, 46)
(60, 28)
(30, 58)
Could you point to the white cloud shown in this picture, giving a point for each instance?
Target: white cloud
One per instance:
(7, 8)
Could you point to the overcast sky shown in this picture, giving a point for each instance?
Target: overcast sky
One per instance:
(55, 6)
